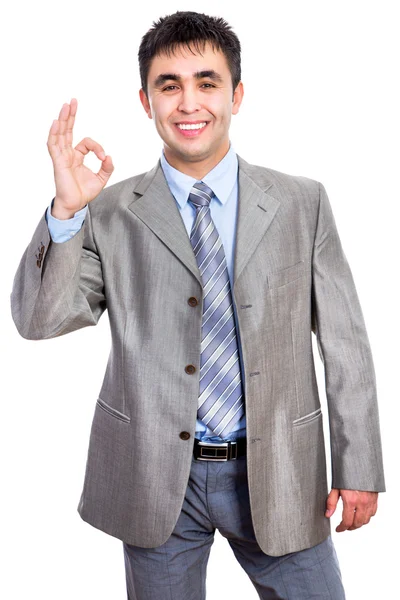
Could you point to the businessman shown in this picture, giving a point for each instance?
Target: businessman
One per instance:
(215, 274)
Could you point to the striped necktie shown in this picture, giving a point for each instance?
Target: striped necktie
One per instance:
(220, 404)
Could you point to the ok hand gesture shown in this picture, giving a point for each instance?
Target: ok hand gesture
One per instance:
(76, 185)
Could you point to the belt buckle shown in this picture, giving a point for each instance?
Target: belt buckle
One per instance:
(219, 445)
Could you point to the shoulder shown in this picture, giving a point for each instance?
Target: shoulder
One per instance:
(280, 182)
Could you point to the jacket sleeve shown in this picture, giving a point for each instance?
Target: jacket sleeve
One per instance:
(343, 345)
(58, 287)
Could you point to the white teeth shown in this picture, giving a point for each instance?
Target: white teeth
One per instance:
(197, 126)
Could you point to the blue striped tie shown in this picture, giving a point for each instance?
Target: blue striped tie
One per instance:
(220, 396)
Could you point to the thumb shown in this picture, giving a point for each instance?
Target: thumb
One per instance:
(331, 502)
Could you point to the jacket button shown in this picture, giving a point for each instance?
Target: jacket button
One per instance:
(192, 301)
(190, 369)
(184, 435)
(38, 262)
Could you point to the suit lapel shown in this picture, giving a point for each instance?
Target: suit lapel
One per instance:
(256, 210)
(157, 208)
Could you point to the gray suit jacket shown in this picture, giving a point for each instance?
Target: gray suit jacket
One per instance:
(291, 278)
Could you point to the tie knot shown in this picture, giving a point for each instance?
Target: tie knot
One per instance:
(200, 194)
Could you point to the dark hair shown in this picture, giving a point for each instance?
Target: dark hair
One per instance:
(182, 28)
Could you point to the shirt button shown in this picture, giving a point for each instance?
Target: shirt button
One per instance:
(190, 369)
(192, 301)
(184, 435)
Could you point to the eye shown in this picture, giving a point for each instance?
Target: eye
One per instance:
(174, 86)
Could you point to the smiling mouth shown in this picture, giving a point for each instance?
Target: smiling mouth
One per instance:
(191, 131)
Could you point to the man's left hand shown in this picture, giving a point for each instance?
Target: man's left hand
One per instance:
(358, 507)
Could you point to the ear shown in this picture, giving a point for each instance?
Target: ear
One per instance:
(237, 98)
(145, 102)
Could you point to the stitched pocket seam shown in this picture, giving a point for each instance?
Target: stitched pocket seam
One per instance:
(307, 418)
(279, 278)
(113, 411)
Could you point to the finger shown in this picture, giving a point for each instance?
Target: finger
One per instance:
(63, 118)
(360, 518)
(56, 144)
(88, 145)
(374, 507)
(63, 143)
(71, 122)
(370, 512)
(52, 140)
(106, 169)
(347, 518)
(365, 521)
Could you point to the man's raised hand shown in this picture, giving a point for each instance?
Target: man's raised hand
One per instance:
(76, 185)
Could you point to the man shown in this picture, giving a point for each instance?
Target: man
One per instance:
(215, 273)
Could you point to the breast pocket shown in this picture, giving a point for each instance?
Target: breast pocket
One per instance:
(286, 275)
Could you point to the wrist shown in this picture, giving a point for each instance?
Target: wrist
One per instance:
(59, 212)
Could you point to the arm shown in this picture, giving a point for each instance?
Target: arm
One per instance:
(343, 345)
(63, 290)
(58, 287)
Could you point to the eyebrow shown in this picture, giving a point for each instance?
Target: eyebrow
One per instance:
(210, 74)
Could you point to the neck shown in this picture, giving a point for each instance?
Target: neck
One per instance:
(196, 169)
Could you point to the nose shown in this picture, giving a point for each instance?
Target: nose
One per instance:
(189, 102)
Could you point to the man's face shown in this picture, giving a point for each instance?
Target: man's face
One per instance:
(192, 88)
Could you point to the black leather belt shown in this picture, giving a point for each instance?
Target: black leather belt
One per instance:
(229, 450)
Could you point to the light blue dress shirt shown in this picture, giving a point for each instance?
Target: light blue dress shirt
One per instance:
(223, 180)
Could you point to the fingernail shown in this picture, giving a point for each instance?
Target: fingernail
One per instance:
(102, 155)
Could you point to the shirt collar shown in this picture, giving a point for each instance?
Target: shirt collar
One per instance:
(220, 179)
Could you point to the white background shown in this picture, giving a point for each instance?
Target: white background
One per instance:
(321, 100)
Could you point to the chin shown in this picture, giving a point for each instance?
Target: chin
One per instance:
(187, 152)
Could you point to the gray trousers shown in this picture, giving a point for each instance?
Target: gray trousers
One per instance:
(217, 497)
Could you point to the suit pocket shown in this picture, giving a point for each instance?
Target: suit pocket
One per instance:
(113, 411)
(286, 275)
(309, 417)
(309, 464)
